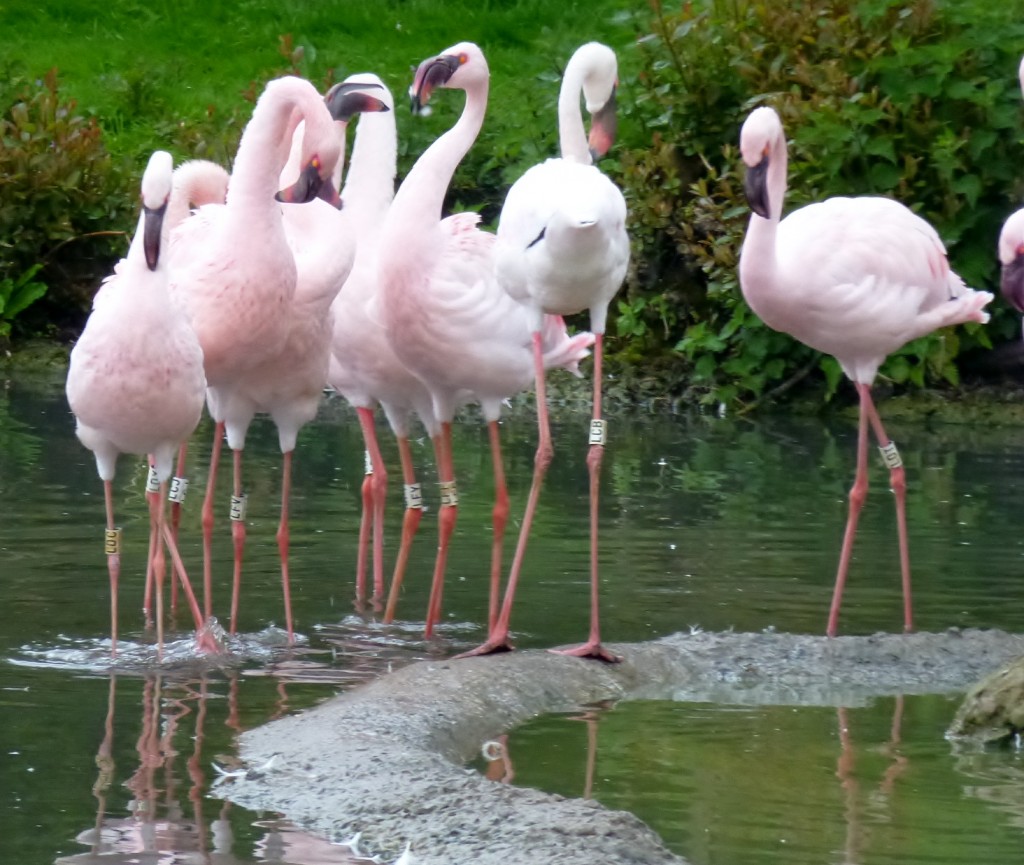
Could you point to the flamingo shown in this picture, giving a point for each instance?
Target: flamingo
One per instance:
(236, 275)
(447, 318)
(1011, 247)
(136, 383)
(364, 369)
(856, 278)
(562, 247)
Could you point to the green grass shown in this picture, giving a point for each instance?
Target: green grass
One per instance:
(143, 68)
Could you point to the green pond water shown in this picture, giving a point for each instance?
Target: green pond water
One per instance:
(706, 522)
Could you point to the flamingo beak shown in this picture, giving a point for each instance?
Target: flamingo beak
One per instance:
(348, 98)
(603, 125)
(755, 185)
(307, 187)
(1012, 281)
(431, 74)
(153, 220)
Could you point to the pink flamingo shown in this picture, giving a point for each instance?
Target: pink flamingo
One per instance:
(852, 277)
(447, 318)
(562, 248)
(364, 368)
(236, 275)
(136, 383)
(1011, 247)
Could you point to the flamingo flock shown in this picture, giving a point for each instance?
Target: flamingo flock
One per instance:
(276, 286)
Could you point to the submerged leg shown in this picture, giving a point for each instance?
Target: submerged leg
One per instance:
(410, 523)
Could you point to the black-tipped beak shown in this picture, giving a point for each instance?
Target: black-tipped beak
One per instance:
(153, 220)
(755, 185)
(306, 188)
(1012, 282)
(603, 125)
(329, 194)
(430, 75)
(349, 98)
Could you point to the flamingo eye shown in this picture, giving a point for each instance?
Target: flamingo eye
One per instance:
(463, 59)
(315, 162)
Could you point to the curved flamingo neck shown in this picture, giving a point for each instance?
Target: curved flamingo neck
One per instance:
(370, 181)
(572, 136)
(421, 195)
(266, 141)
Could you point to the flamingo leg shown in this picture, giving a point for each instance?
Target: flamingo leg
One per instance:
(499, 519)
(898, 483)
(207, 518)
(283, 541)
(593, 648)
(112, 547)
(365, 523)
(156, 509)
(497, 639)
(237, 536)
(378, 480)
(858, 493)
(410, 523)
(445, 523)
(180, 483)
(147, 598)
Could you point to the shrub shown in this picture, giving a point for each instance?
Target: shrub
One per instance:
(915, 100)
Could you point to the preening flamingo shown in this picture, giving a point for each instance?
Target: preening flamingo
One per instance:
(856, 278)
(447, 318)
(136, 383)
(236, 275)
(562, 248)
(364, 368)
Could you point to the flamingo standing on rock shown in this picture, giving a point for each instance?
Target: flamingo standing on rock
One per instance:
(136, 383)
(447, 318)
(856, 278)
(562, 248)
(236, 275)
(364, 369)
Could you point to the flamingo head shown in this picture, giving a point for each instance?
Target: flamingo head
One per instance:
(156, 192)
(456, 67)
(600, 82)
(373, 84)
(348, 98)
(759, 138)
(1011, 257)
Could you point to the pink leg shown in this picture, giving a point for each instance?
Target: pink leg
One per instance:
(283, 538)
(593, 648)
(379, 485)
(445, 522)
(238, 537)
(499, 519)
(497, 639)
(898, 482)
(365, 522)
(858, 493)
(410, 523)
(179, 471)
(147, 598)
(211, 486)
(156, 508)
(113, 550)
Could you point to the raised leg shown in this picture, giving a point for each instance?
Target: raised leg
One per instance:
(593, 648)
(445, 523)
(378, 479)
(497, 638)
(410, 523)
(238, 503)
(112, 548)
(898, 482)
(858, 493)
(211, 487)
(283, 540)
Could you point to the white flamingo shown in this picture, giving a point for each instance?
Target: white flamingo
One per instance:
(856, 278)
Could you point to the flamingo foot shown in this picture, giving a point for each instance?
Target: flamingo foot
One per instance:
(210, 638)
(493, 646)
(592, 649)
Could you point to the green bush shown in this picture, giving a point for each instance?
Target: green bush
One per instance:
(64, 207)
(917, 100)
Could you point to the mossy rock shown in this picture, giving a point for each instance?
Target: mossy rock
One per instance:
(993, 710)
